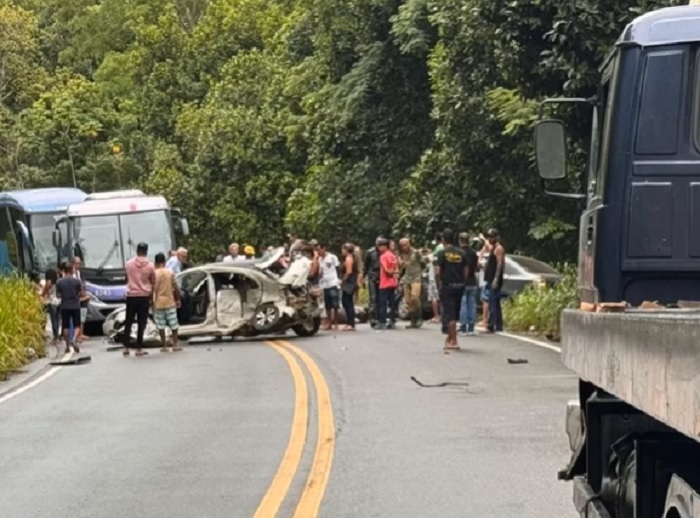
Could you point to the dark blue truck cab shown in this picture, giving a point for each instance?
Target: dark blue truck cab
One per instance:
(635, 428)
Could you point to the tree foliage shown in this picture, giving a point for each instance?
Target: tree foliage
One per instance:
(335, 119)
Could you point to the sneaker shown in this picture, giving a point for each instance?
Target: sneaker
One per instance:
(463, 333)
(391, 325)
(380, 327)
(76, 349)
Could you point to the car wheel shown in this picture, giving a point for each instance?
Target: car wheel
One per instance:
(266, 318)
(307, 327)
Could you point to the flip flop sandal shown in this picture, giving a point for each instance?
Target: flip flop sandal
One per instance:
(142, 353)
(126, 353)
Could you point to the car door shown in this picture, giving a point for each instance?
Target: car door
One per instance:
(201, 301)
(230, 293)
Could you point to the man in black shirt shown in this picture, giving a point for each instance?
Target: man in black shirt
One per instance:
(467, 314)
(371, 274)
(451, 273)
(70, 291)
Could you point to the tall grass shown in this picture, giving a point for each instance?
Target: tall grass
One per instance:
(22, 323)
(537, 309)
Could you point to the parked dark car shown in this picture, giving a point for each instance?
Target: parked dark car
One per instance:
(520, 271)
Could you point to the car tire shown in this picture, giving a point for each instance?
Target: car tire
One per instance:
(266, 318)
(307, 328)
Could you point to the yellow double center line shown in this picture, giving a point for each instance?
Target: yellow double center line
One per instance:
(310, 500)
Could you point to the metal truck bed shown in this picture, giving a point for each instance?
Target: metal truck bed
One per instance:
(648, 358)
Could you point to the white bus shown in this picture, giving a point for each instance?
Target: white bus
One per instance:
(104, 231)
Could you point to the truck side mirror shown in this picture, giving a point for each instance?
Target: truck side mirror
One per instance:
(550, 149)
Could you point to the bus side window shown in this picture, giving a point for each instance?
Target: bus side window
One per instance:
(8, 242)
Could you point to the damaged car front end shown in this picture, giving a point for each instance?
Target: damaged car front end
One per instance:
(236, 300)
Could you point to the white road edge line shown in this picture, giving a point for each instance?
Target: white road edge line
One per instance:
(532, 341)
(34, 382)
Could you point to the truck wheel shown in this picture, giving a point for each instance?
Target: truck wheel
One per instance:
(266, 318)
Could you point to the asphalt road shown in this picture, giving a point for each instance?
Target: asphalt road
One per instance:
(232, 429)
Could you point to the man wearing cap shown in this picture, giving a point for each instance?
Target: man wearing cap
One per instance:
(493, 280)
(176, 261)
(141, 277)
(249, 252)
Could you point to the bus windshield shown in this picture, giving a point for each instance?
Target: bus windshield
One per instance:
(41, 227)
(106, 242)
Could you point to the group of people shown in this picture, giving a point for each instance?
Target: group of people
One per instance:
(453, 286)
(153, 285)
(149, 285)
(66, 302)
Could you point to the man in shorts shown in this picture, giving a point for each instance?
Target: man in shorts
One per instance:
(451, 271)
(69, 291)
(166, 300)
(330, 282)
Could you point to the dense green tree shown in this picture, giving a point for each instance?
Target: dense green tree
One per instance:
(339, 120)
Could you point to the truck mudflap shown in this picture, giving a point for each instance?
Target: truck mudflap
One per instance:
(587, 503)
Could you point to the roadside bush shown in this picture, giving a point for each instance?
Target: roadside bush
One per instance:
(537, 309)
(22, 323)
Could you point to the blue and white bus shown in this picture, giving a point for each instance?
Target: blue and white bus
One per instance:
(27, 221)
(104, 230)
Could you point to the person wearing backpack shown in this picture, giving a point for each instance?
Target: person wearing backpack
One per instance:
(412, 266)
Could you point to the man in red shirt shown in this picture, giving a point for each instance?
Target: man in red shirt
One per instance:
(388, 282)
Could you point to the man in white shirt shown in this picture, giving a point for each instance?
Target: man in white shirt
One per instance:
(174, 264)
(330, 283)
(233, 255)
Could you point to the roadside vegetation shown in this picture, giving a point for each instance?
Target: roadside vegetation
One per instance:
(338, 120)
(537, 309)
(22, 321)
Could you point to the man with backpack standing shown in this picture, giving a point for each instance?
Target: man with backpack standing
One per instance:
(412, 264)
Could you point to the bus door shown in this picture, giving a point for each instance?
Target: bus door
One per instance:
(61, 241)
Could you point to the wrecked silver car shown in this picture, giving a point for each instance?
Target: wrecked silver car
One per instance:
(237, 300)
